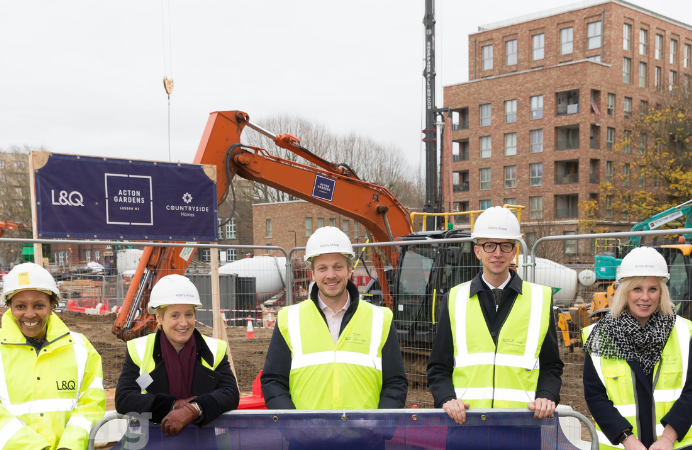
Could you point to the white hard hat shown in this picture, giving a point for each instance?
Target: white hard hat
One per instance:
(28, 276)
(643, 262)
(496, 222)
(328, 240)
(173, 290)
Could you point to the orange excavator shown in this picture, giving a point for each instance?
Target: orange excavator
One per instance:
(333, 186)
(10, 225)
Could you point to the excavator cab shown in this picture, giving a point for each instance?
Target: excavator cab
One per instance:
(426, 273)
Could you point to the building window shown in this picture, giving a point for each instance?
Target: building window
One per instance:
(510, 177)
(609, 207)
(510, 111)
(686, 56)
(536, 170)
(231, 254)
(642, 75)
(628, 108)
(485, 115)
(626, 174)
(656, 180)
(643, 40)
(512, 202)
(566, 38)
(536, 141)
(673, 51)
(344, 226)
(593, 35)
(672, 80)
(610, 138)
(570, 244)
(18, 191)
(536, 207)
(595, 58)
(626, 36)
(538, 46)
(356, 229)
(643, 107)
(626, 142)
(87, 256)
(626, 64)
(657, 78)
(206, 255)
(487, 57)
(320, 222)
(332, 222)
(511, 51)
(486, 146)
(485, 179)
(2, 164)
(611, 105)
(642, 144)
(19, 165)
(609, 172)
(484, 204)
(537, 107)
(308, 226)
(510, 144)
(658, 51)
(269, 228)
(97, 255)
(642, 179)
(230, 229)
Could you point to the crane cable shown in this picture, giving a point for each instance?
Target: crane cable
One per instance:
(167, 82)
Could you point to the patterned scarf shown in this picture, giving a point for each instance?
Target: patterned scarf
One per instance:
(624, 338)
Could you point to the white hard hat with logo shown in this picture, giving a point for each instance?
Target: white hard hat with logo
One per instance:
(173, 290)
(328, 240)
(643, 262)
(496, 223)
(28, 276)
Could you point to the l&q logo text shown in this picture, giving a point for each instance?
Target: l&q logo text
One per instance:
(74, 198)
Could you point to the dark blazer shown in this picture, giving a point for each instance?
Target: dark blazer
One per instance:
(277, 365)
(216, 390)
(441, 363)
(611, 421)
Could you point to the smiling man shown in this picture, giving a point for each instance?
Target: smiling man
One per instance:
(496, 345)
(333, 350)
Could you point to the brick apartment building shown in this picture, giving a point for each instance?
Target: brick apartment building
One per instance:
(549, 95)
(290, 224)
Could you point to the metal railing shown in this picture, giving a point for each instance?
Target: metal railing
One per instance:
(463, 125)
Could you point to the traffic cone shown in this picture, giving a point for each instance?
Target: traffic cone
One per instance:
(270, 320)
(250, 330)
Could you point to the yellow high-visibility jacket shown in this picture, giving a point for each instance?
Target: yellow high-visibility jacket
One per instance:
(51, 400)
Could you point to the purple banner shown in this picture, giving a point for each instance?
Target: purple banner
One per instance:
(83, 197)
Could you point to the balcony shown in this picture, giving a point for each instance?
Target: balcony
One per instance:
(566, 206)
(593, 178)
(566, 172)
(460, 126)
(461, 187)
(567, 102)
(567, 137)
(460, 150)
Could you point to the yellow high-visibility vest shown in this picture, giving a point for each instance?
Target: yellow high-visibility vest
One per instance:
(347, 375)
(52, 399)
(507, 376)
(670, 375)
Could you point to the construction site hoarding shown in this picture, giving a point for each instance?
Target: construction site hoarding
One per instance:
(83, 197)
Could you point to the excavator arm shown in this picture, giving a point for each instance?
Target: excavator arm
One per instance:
(332, 186)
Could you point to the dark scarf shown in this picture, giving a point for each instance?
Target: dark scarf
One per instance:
(180, 367)
(624, 338)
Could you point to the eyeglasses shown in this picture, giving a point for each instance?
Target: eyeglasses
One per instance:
(489, 247)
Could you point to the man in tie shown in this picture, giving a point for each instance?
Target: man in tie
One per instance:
(496, 343)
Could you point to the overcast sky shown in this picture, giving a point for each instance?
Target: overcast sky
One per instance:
(86, 76)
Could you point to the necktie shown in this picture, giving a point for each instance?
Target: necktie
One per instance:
(498, 294)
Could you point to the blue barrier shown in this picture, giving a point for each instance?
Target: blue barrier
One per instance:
(379, 429)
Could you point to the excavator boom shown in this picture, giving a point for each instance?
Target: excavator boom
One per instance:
(332, 186)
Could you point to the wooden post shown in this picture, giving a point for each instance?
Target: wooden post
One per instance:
(218, 322)
(36, 161)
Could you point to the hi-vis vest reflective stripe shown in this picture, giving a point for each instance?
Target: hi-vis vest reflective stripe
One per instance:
(141, 351)
(48, 399)
(670, 375)
(347, 375)
(506, 376)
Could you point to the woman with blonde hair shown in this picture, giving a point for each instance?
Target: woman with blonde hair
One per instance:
(637, 376)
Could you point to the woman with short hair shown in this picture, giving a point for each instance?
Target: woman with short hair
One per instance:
(176, 374)
(637, 376)
(51, 379)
